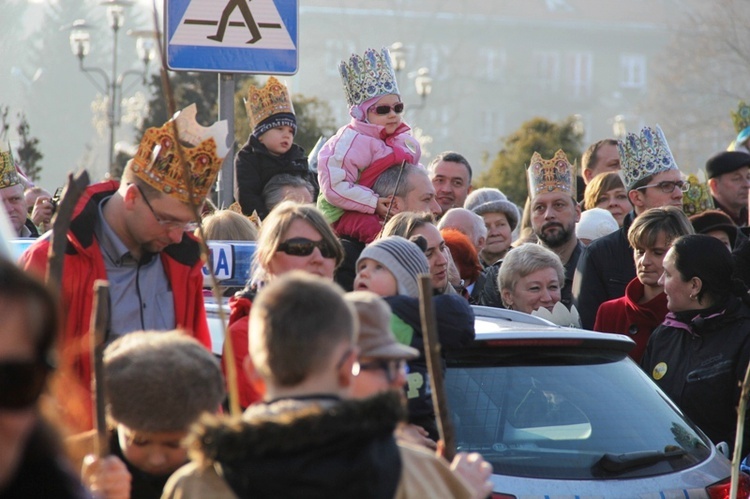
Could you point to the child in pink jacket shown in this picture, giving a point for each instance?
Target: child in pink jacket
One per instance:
(375, 139)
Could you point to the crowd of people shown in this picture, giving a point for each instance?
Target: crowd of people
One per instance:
(328, 360)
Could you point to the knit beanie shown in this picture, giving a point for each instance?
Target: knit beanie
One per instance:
(491, 200)
(159, 381)
(403, 258)
(595, 223)
(278, 119)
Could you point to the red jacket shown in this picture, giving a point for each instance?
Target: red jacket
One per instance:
(626, 316)
(239, 318)
(83, 264)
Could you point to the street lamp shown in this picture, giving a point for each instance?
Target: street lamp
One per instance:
(80, 45)
(618, 127)
(422, 79)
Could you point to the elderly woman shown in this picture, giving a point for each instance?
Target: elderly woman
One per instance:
(293, 237)
(500, 217)
(607, 191)
(531, 277)
(700, 353)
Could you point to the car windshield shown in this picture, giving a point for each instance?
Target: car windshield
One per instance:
(567, 414)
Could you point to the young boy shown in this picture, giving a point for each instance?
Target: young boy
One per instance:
(375, 139)
(306, 439)
(157, 385)
(270, 149)
(390, 267)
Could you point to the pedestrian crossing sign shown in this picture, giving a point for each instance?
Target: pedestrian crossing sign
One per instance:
(232, 36)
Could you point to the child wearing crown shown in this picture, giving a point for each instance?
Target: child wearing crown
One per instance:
(375, 139)
(270, 150)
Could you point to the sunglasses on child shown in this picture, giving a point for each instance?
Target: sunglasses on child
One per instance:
(21, 383)
(382, 110)
(301, 246)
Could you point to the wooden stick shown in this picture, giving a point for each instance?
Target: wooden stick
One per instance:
(434, 366)
(60, 224)
(737, 454)
(97, 331)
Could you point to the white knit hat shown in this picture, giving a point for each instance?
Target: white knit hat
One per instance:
(491, 200)
(595, 223)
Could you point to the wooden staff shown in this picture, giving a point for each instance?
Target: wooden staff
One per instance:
(434, 366)
(60, 224)
(228, 353)
(97, 331)
(737, 454)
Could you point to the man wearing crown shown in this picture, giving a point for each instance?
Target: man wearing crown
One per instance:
(652, 180)
(11, 194)
(136, 234)
(555, 212)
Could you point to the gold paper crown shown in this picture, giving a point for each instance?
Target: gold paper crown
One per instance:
(263, 102)
(551, 175)
(157, 161)
(8, 174)
(698, 197)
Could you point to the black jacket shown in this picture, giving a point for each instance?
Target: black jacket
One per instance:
(318, 447)
(700, 362)
(604, 269)
(254, 166)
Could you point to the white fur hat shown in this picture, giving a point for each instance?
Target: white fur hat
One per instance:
(595, 223)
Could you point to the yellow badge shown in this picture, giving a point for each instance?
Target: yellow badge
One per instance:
(660, 370)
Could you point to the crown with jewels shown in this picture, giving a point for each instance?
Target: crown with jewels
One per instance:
(9, 175)
(741, 120)
(643, 155)
(273, 98)
(551, 175)
(368, 76)
(157, 161)
(698, 197)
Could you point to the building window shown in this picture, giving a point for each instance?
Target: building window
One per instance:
(633, 71)
(578, 74)
(547, 70)
(492, 63)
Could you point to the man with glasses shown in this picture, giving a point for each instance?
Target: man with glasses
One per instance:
(652, 179)
(136, 234)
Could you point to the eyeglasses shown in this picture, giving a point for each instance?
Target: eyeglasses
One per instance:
(167, 224)
(667, 186)
(392, 368)
(382, 110)
(21, 383)
(301, 246)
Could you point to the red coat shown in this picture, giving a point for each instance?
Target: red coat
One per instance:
(239, 334)
(626, 316)
(83, 264)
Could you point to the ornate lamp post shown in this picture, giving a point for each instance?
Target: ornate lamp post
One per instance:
(422, 79)
(80, 44)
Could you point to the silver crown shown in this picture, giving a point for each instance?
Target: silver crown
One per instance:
(368, 76)
(643, 155)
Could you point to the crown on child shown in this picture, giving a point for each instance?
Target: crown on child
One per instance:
(368, 76)
(698, 197)
(9, 176)
(551, 175)
(643, 155)
(157, 161)
(273, 98)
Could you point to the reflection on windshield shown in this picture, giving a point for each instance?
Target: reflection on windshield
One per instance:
(567, 419)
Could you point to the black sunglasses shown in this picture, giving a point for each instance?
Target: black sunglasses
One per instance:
(21, 383)
(383, 110)
(301, 246)
(391, 367)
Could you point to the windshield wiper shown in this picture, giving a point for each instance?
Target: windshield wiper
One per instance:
(615, 463)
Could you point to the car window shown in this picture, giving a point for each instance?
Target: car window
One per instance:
(568, 415)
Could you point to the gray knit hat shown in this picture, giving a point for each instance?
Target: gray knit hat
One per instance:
(403, 258)
(375, 338)
(491, 200)
(160, 381)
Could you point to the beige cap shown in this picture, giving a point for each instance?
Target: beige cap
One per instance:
(375, 337)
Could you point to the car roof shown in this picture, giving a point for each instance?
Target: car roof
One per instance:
(511, 328)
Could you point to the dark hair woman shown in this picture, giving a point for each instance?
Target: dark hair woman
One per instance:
(699, 355)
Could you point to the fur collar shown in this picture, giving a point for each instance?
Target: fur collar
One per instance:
(294, 426)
